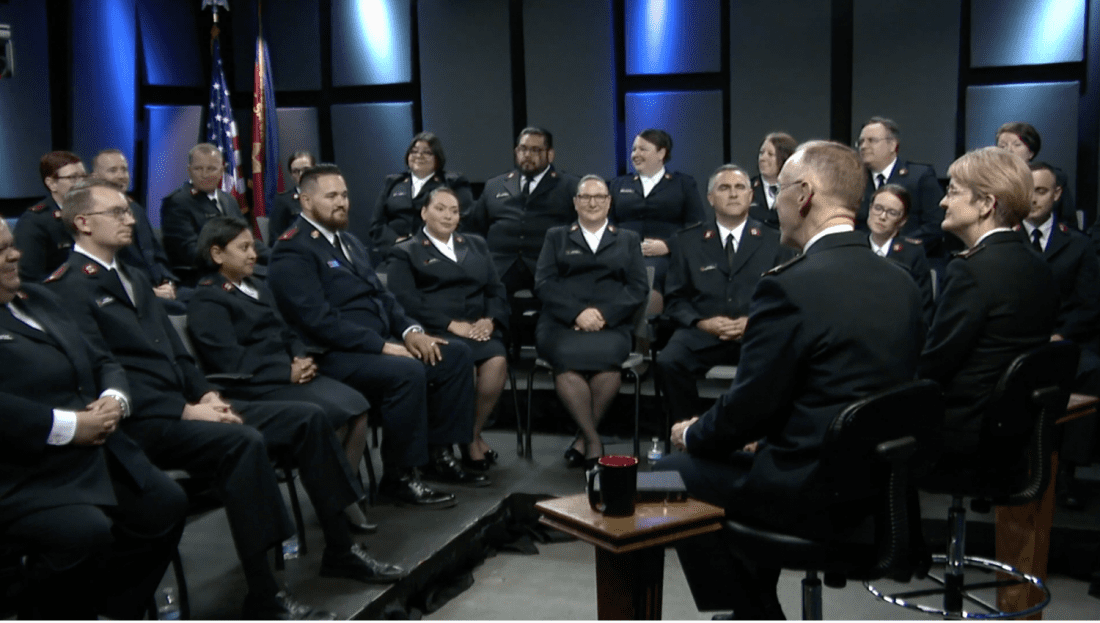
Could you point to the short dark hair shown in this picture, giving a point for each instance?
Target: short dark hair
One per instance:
(54, 161)
(79, 200)
(1028, 135)
(725, 167)
(898, 191)
(890, 125)
(537, 131)
(105, 152)
(784, 145)
(300, 154)
(310, 175)
(1039, 165)
(660, 140)
(204, 148)
(218, 232)
(434, 144)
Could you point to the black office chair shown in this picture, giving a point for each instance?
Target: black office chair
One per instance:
(1029, 397)
(867, 457)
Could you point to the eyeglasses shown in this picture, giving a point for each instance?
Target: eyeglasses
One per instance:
(421, 152)
(891, 212)
(593, 198)
(119, 214)
(74, 176)
(781, 185)
(871, 140)
(534, 151)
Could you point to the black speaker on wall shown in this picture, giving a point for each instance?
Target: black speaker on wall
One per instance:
(7, 64)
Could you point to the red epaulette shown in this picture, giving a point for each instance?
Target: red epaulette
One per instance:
(288, 234)
(57, 273)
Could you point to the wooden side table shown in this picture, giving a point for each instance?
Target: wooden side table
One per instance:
(630, 551)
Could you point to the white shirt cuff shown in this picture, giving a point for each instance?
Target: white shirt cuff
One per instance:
(417, 328)
(122, 399)
(63, 429)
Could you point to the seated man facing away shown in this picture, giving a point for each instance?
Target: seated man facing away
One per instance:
(714, 271)
(803, 361)
(182, 422)
(101, 521)
(329, 293)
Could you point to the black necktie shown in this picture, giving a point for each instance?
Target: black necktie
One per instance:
(730, 250)
(525, 192)
(339, 248)
(880, 179)
(774, 190)
(1037, 239)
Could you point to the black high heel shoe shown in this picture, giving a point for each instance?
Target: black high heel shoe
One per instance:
(491, 456)
(477, 465)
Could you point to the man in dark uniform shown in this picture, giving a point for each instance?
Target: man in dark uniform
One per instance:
(286, 207)
(714, 271)
(146, 253)
(182, 421)
(327, 290)
(186, 210)
(1077, 274)
(516, 208)
(803, 361)
(101, 521)
(878, 143)
(39, 234)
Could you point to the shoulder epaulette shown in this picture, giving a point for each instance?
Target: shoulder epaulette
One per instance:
(967, 254)
(208, 281)
(57, 273)
(912, 240)
(785, 265)
(37, 207)
(691, 227)
(288, 234)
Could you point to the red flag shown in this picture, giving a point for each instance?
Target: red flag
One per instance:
(267, 175)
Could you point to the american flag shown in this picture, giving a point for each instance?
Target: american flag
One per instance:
(221, 130)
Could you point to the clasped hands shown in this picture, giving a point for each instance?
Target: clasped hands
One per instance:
(479, 331)
(589, 320)
(97, 421)
(418, 345)
(724, 327)
(211, 408)
(679, 428)
(302, 370)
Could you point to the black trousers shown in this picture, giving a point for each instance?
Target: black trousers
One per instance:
(682, 362)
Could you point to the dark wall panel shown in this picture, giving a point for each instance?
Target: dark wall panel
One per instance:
(559, 72)
(104, 92)
(169, 45)
(173, 130)
(1050, 107)
(298, 130)
(466, 85)
(672, 36)
(293, 32)
(779, 73)
(369, 141)
(690, 117)
(371, 42)
(905, 60)
(1026, 32)
(25, 97)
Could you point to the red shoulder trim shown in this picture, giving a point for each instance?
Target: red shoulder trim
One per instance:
(288, 234)
(57, 273)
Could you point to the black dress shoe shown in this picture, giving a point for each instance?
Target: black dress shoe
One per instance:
(356, 564)
(444, 467)
(574, 458)
(491, 456)
(409, 489)
(477, 465)
(281, 607)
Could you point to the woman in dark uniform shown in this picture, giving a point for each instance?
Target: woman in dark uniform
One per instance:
(887, 215)
(236, 328)
(655, 203)
(774, 151)
(397, 212)
(449, 284)
(591, 279)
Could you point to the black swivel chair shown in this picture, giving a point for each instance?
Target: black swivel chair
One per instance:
(1012, 468)
(868, 454)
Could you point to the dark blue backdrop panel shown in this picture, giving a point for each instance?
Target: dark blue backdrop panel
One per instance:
(905, 66)
(1026, 32)
(293, 32)
(466, 84)
(371, 42)
(779, 73)
(169, 44)
(173, 130)
(560, 77)
(298, 130)
(1050, 107)
(25, 97)
(672, 36)
(104, 92)
(694, 119)
(369, 141)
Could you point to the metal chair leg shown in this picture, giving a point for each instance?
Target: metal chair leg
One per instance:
(811, 597)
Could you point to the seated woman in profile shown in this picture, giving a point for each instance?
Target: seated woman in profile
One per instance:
(449, 284)
(236, 328)
(887, 215)
(591, 279)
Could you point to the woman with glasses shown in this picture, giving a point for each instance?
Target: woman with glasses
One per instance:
(774, 151)
(655, 203)
(397, 212)
(449, 284)
(888, 213)
(591, 279)
(40, 235)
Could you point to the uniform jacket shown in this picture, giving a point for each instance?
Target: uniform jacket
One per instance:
(570, 278)
(163, 376)
(674, 203)
(146, 253)
(397, 213)
(514, 230)
(806, 355)
(234, 332)
(43, 240)
(925, 214)
(999, 300)
(909, 252)
(1077, 276)
(182, 215)
(700, 284)
(283, 212)
(759, 209)
(436, 290)
(329, 303)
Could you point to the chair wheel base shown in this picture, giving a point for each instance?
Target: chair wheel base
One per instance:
(905, 598)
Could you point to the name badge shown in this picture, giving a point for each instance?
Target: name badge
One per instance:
(334, 264)
(6, 337)
(704, 269)
(502, 195)
(105, 300)
(626, 191)
(399, 193)
(574, 252)
(431, 260)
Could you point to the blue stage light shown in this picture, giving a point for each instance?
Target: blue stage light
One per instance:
(672, 36)
(371, 42)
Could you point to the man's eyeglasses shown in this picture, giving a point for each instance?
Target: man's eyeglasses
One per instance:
(891, 212)
(119, 214)
(535, 151)
(593, 198)
(870, 140)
